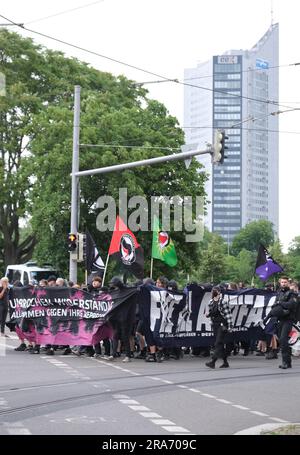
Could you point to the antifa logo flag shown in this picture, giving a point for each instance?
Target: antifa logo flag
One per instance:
(125, 249)
(162, 246)
(93, 260)
(265, 264)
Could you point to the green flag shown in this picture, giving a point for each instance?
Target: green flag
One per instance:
(162, 246)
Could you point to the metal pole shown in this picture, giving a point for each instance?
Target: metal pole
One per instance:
(74, 193)
(151, 268)
(105, 270)
(148, 162)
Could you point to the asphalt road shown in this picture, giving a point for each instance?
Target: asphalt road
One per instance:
(67, 395)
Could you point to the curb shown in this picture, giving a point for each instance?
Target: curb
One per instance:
(265, 427)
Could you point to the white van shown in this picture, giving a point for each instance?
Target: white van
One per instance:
(29, 272)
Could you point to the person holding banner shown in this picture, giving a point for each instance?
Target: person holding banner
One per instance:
(220, 314)
(284, 310)
(4, 290)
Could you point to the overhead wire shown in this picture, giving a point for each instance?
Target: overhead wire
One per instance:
(249, 70)
(177, 81)
(62, 12)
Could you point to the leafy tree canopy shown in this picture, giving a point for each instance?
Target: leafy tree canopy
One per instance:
(250, 236)
(36, 151)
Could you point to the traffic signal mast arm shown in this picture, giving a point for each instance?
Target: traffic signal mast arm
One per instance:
(160, 159)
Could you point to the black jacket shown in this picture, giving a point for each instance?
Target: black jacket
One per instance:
(285, 306)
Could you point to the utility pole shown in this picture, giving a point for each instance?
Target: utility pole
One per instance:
(186, 155)
(75, 182)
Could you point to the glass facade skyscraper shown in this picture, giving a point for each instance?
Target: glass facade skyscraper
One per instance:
(236, 92)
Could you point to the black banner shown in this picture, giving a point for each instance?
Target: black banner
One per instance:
(179, 319)
(66, 316)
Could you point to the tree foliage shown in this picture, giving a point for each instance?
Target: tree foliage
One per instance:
(36, 145)
(250, 236)
(212, 265)
(240, 268)
(293, 258)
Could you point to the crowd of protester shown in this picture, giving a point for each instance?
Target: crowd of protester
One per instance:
(133, 339)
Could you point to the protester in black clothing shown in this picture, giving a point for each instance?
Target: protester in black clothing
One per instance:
(284, 309)
(122, 323)
(4, 290)
(95, 288)
(220, 314)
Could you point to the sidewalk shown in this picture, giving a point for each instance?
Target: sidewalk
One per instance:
(272, 429)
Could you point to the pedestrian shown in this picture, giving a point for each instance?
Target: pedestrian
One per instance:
(4, 290)
(284, 309)
(220, 314)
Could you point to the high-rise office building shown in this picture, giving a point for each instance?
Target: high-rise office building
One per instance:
(237, 92)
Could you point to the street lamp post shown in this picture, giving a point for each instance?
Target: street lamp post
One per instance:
(75, 181)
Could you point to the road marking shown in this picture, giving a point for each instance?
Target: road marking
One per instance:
(243, 408)
(117, 367)
(16, 428)
(278, 420)
(207, 395)
(3, 404)
(153, 417)
(139, 408)
(238, 406)
(150, 414)
(223, 401)
(18, 431)
(162, 422)
(258, 413)
(126, 401)
(67, 369)
(176, 429)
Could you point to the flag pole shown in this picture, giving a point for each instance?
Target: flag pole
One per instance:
(151, 267)
(104, 274)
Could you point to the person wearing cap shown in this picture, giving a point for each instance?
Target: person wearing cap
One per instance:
(220, 314)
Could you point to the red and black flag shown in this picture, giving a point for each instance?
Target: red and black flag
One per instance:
(93, 260)
(125, 249)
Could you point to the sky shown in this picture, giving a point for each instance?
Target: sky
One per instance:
(166, 36)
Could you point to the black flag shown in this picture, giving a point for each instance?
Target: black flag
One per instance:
(265, 264)
(93, 260)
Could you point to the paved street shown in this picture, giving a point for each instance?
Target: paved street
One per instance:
(59, 394)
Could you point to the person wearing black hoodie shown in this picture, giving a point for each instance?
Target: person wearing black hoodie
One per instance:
(284, 309)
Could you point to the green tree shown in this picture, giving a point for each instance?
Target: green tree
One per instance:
(212, 268)
(250, 236)
(37, 132)
(293, 259)
(18, 58)
(277, 254)
(241, 267)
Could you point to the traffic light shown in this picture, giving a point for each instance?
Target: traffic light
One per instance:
(219, 146)
(72, 242)
(81, 247)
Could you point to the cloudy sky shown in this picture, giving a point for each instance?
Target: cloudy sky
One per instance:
(166, 36)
